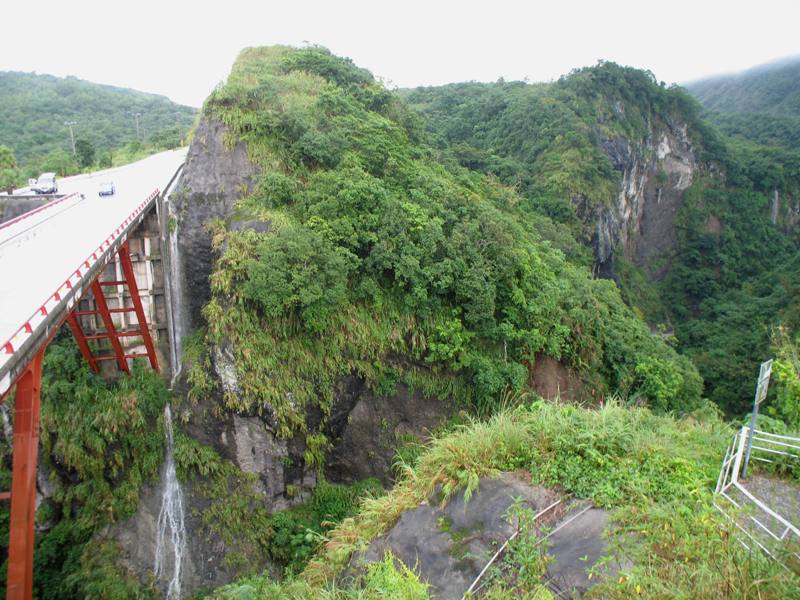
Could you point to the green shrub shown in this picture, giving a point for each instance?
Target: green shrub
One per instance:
(297, 269)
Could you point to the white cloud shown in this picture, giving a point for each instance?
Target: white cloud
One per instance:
(183, 49)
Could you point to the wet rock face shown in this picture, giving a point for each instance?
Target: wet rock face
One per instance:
(203, 566)
(449, 545)
(212, 180)
(641, 220)
(366, 429)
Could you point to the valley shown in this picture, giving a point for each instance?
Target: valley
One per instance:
(393, 311)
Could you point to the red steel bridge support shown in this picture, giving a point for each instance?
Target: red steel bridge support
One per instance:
(26, 416)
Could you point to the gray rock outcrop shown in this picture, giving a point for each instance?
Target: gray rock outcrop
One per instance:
(448, 546)
(213, 179)
(640, 222)
(364, 428)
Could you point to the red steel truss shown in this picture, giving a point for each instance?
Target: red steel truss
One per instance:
(111, 333)
(26, 416)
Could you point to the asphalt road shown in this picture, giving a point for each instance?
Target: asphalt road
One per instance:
(38, 253)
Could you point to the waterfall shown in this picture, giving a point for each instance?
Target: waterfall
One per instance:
(171, 534)
(8, 430)
(175, 301)
(173, 289)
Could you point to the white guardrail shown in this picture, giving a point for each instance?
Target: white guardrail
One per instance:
(769, 524)
(73, 280)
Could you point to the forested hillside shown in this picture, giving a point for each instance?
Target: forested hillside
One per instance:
(34, 108)
(773, 88)
(377, 250)
(760, 105)
(568, 146)
(369, 289)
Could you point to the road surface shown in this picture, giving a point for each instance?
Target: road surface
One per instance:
(39, 252)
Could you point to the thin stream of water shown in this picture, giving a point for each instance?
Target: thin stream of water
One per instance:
(171, 533)
(176, 301)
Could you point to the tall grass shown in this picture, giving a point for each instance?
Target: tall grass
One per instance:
(654, 472)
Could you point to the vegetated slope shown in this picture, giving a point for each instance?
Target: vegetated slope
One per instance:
(655, 473)
(100, 443)
(567, 145)
(773, 88)
(379, 262)
(561, 144)
(33, 109)
(102, 449)
(357, 256)
(761, 104)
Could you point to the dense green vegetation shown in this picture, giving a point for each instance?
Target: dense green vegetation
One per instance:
(761, 105)
(436, 238)
(34, 108)
(544, 138)
(654, 472)
(725, 290)
(10, 173)
(100, 442)
(730, 290)
(376, 250)
(773, 88)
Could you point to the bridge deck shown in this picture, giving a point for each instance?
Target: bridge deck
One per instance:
(40, 252)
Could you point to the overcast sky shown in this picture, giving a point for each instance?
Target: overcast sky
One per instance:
(183, 49)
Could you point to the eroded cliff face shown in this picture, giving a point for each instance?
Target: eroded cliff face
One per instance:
(640, 222)
(363, 429)
(214, 178)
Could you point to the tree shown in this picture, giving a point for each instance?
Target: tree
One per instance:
(786, 372)
(85, 152)
(10, 175)
(60, 162)
(105, 160)
(7, 159)
(297, 269)
(169, 137)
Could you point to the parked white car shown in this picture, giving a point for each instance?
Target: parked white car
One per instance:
(46, 184)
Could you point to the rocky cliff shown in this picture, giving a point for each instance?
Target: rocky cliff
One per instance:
(364, 428)
(212, 180)
(341, 293)
(640, 222)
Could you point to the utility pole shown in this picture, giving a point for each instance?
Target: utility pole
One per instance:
(136, 118)
(70, 124)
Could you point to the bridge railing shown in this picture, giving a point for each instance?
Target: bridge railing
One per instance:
(38, 209)
(65, 292)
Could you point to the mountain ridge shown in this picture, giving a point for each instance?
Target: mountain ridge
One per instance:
(35, 107)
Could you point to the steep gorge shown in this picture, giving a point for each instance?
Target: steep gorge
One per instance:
(351, 278)
(301, 143)
(698, 230)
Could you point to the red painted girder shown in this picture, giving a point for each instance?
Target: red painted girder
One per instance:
(81, 338)
(102, 307)
(133, 288)
(23, 482)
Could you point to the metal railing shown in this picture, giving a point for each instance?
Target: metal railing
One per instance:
(752, 514)
(65, 295)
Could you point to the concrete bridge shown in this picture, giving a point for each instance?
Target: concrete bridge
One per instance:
(97, 264)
